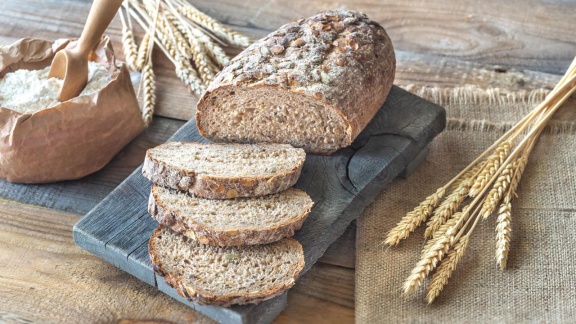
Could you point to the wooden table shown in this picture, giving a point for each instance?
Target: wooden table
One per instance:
(44, 277)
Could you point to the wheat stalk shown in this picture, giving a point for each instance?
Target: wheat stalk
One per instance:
(149, 90)
(499, 169)
(498, 189)
(195, 53)
(492, 164)
(213, 25)
(473, 172)
(142, 52)
(414, 218)
(503, 230)
(448, 207)
(129, 48)
(444, 272)
(428, 263)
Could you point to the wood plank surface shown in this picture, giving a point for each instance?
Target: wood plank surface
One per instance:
(436, 40)
(439, 43)
(341, 185)
(45, 277)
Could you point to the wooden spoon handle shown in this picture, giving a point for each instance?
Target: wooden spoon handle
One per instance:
(101, 14)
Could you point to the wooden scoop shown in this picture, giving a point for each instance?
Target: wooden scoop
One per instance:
(72, 64)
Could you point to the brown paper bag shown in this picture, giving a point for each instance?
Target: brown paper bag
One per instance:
(74, 138)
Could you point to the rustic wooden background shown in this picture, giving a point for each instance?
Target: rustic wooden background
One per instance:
(44, 277)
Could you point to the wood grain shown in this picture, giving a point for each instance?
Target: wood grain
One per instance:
(45, 277)
(436, 41)
(470, 43)
(320, 275)
(342, 252)
(533, 34)
(341, 185)
(304, 308)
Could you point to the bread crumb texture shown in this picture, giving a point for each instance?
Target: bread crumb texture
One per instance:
(230, 160)
(225, 275)
(314, 83)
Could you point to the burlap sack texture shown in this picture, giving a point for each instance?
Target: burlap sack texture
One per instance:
(540, 282)
(74, 138)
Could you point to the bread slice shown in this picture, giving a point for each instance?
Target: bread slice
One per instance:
(207, 274)
(239, 221)
(313, 83)
(224, 171)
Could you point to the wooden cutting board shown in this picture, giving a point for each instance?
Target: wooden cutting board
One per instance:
(341, 185)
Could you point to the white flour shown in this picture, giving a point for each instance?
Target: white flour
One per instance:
(28, 91)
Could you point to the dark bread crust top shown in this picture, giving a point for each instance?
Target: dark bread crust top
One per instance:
(339, 57)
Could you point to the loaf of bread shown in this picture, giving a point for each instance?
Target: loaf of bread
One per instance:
(224, 276)
(224, 171)
(228, 222)
(314, 83)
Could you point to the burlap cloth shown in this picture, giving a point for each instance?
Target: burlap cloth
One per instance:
(540, 282)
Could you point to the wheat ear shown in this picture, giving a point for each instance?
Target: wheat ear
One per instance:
(428, 263)
(171, 24)
(448, 207)
(142, 52)
(504, 221)
(498, 189)
(444, 271)
(214, 50)
(213, 25)
(414, 218)
(149, 89)
(493, 162)
(503, 231)
(457, 221)
(469, 174)
(129, 48)
(206, 68)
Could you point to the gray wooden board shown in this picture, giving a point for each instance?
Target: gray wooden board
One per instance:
(341, 185)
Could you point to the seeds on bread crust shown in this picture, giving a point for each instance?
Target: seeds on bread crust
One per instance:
(313, 83)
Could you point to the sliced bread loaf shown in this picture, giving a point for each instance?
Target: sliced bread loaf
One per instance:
(314, 83)
(226, 222)
(224, 171)
(208, 274)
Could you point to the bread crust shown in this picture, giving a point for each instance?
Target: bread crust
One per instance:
(212, 236)
(206, 298)
(339, 58)
(214, 187)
